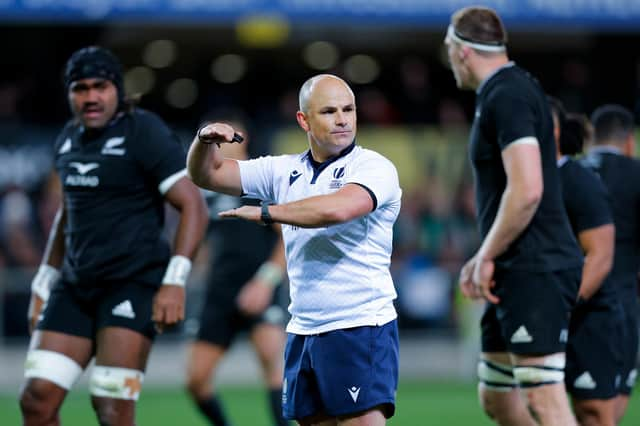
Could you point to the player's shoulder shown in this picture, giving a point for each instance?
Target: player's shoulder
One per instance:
(366, 155)
(67, 132)
(144, 117)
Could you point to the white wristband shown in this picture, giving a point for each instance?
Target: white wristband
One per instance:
(44, 280)
(270, 273)
(177, 271)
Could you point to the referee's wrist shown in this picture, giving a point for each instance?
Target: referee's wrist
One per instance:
(265, 215)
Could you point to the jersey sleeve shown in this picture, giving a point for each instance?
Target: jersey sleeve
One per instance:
(159, 151)
(379, 177)
(586, 199)
(514, 116)
(257, 177)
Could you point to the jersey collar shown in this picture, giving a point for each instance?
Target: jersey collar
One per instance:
(605, 149)
(319, 167)
(490, 76)
(562, 161)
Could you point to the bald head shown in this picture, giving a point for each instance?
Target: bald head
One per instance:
(328, 81)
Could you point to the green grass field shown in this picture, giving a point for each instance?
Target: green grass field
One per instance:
(418, 404)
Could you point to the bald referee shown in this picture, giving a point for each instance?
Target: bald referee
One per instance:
(528, 265)
(337, 203)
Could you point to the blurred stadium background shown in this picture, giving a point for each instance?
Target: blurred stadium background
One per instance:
(190, 59)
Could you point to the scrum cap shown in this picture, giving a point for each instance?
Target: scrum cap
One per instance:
(94, 62)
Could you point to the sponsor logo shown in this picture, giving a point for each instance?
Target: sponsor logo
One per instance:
(124, 309)
(112, 146)
(338, 172)
(354, 392)
(294, 177)
(521, 336)
(84, 168)
(584, 381)
(66, 146)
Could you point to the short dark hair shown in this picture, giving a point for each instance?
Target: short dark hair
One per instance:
(612, 123)
(574, 133)
(480, 25)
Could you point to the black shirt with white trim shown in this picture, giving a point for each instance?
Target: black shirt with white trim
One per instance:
(114, 181)
(511, 106)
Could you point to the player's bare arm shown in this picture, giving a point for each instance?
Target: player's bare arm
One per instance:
(598, 245)
(206, 165)
(518, 204)
(48, 272)
(350, 202)
(168, 304)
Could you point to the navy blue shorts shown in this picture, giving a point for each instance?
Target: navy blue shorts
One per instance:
(630, 348)
(341, 372)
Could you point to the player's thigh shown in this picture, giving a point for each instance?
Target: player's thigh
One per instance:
(533, 315)
(54, 363)
(374, 417)
(61, 347)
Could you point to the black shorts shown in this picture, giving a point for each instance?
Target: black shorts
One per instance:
(221, 321)
(81, 311)
(594, 352)
(630, 346)
(532, 317)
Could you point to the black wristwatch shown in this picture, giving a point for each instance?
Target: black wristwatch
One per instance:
(265, 216)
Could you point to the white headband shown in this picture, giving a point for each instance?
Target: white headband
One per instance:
(452, 35)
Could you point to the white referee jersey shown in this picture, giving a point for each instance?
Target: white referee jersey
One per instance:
(339, 275)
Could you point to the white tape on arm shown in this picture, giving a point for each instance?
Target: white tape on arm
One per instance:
(44, 280)
(177, 271)
(270, 273)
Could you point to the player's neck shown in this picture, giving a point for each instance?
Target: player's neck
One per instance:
(485, 67)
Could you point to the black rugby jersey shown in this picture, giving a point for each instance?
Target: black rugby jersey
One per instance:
(587, 203)
(115, 211)
(511, 105)
(621, 177)
(237, 245)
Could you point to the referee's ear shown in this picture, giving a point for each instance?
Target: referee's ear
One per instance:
(302, 121)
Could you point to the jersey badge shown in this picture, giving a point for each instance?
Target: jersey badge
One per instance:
(294, 176)
(113, 146)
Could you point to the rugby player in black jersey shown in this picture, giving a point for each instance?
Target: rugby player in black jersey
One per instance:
(528, 266)
(594, 361)
(611, 157)
(108, 279)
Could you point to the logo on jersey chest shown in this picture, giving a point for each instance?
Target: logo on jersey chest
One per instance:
(337, 182)
(113, 146)
(81, 178)
(294, 176)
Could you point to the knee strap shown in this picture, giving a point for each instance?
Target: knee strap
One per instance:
(496, 376)
(551, 371)
(116, 382)
(52, 366)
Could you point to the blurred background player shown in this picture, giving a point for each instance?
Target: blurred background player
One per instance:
(611, 158)
(246, 270)
(528, 265)
(118, 164)
(338, 203)
(594, 361)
